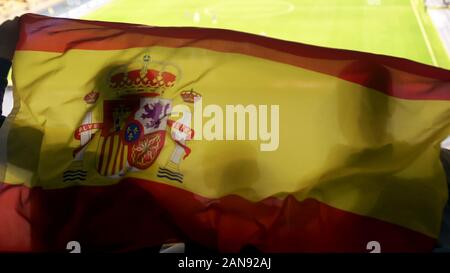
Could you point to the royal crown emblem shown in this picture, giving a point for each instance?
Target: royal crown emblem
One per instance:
(190, 96)
(91, 97)
(134, 119)
(149, 77)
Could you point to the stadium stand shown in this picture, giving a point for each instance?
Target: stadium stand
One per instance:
(64, 8)
(440, 16)
(73, 8)
(11, 8)
(437, 3)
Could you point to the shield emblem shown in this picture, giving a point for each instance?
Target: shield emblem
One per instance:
(133, 134)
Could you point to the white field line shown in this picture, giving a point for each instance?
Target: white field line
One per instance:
(424, 33)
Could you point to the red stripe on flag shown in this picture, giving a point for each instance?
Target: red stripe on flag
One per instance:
(111, 138)
(135, 213)
(393, 76)
(121, 157)
(102, 155)
(114, 171)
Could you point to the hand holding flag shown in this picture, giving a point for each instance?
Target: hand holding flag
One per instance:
(9, 34)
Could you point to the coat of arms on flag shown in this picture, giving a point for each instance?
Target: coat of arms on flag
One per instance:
(135, 118)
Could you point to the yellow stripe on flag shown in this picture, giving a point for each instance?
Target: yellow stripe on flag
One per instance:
(346, 145)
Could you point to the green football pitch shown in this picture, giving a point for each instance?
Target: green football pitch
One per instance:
(390, 27)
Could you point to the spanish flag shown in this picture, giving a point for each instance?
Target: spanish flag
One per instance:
(125, 136)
